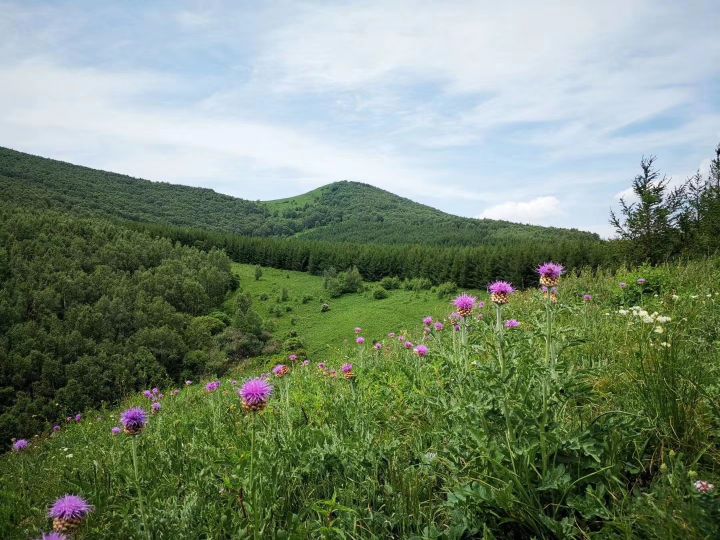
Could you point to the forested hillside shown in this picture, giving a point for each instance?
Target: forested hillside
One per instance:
(343, 211)
(90, 311)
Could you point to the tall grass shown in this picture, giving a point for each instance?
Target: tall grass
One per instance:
(483, 439)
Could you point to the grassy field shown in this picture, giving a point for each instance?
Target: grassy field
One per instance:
(591, 420)
(326, 335)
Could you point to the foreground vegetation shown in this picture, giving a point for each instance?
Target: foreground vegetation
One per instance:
(590, 419)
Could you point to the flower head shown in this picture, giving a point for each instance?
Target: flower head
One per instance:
(56, 428)
(391, 335)
(587, 297)
(641, 281)
(704, 487)
(347, 371)
(212, 386)
(457, 328)
(156, 407)
(293, 357)
(175, 392)
(280, 370)
(148, 394)
(622, 285)
(360, 340)
(358, 330)
(465, 304)
(512, 323)
(133, 420)
(500, 292)
(188, 383)
(322, 366)
(78, 418)
(20, 445)
(439, 327)
(421, 351)
(427, 321)
(408, 345)
(378, 346)
(550, 273)
(68, 513)
(116, 430)
(53, 536)
(255, 394)
(306, 363)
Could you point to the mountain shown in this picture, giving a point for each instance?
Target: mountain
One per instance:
(342, 211)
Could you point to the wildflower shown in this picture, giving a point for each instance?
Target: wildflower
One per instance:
(457, 328)
(427, 321)
(306, 363)
(391, 335)
(704, 487)
(255, 394)
(133, 420)
(587, 298)
(332, 374)
(68, 513)
(322, 366)
(550, 273)
(20, 445)
(512, 323)
(439, 327)
(347, 371)
(465, 304)
(408, 345)
(659, 330)
(401, 338)
(148, 394)
(641, 281)
(280, 370)
(378, 346)
(454, 317)
(56, 428)
(662, 319)
(69, 419)
(675, 297)
(622, 285)
(500, 292)
(155, 391)
(360, 340)
(78, 418)
(421, 351)
(156, 407)
(175, 392)
(53, 536)
(665, 344)
(116, 431)
(188, 383)
(293, 357)
(623, 311)
(212, 386)
(358, 330)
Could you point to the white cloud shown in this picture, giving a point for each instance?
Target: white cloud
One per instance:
(536, 211)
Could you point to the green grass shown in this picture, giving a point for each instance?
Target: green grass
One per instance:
(491, 438)
(327, 334)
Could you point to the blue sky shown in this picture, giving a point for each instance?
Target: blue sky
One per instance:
(529, 111)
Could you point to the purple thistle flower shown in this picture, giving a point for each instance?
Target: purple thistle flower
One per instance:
(156, 407)
(378, 346)
(255, 394)
(622, 285)
(550, 273)
(360, 340)
(293, 357)
(280, 370)
(69, 419)
(358, 330)
(457, 328)
(391, 335)
(465, 304)
(641, 281)
(56, 428)
(306, 363)
(78, 418)
(500, 292)
(454, 317)
(156, 390)
(439, 327)
(427, 321)
(20, 445)
(408, 345)
(346, 368)
(133, 420)
(188, 383)
(116, 431)
(148, 394)
(587, 297)
(512, 323)
(322, 366)
(175, 392)
(401, 338)
(70, 507)
(53, 536)
(212, 386)
(421, 351)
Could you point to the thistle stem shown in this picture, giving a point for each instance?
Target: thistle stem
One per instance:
(139, 489)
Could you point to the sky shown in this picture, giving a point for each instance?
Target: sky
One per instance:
(536, 112)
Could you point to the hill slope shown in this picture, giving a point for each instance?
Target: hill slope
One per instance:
(342, 211)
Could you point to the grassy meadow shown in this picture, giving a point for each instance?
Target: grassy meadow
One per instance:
(590, 420)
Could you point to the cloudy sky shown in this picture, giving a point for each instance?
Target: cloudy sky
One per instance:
(529, 111)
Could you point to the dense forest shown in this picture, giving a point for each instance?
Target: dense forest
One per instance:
(90, 311)
(343, 211)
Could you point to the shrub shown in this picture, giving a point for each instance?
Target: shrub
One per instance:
(446, 289)
(391, 283)
(379, 293)
(417, 284)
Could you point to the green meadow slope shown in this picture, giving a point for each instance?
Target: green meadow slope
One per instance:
(598, 426)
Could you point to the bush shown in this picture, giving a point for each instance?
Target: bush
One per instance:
(379, 293)
(417, 284)
(446, 289)
(324, 308)
(391, 283)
